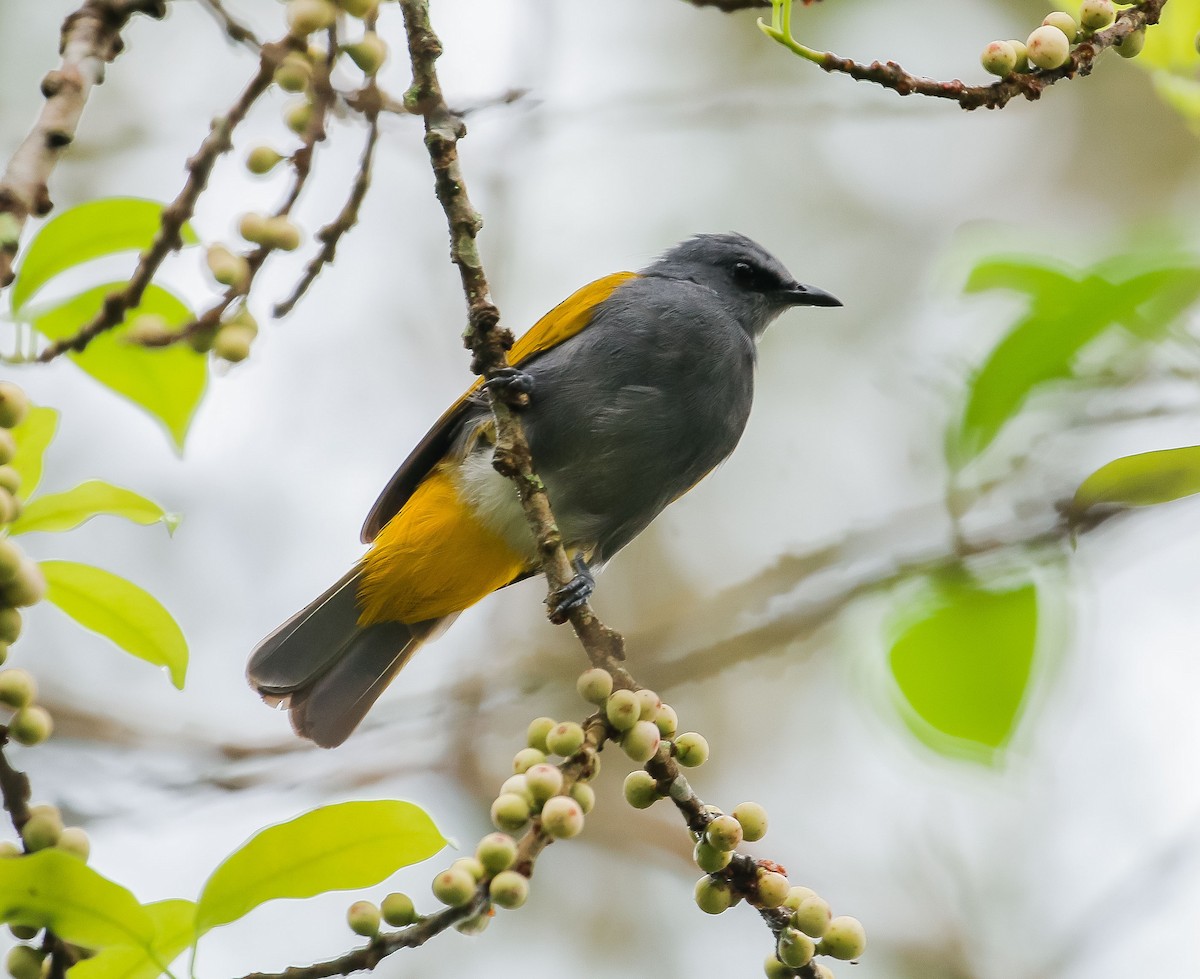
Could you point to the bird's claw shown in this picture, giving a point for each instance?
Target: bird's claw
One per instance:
(510, 381)
(563, 601)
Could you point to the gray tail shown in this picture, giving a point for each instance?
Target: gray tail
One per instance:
(327, 669)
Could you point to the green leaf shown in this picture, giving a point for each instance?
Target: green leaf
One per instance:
(87, 231)
(167, 382)
(173, 923)
(1143, 479)
(56, 890)
(33, 436)
(118, 609)
(340, 847)
(56, 512)
(962, 663)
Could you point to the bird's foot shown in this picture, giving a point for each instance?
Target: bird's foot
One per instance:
(512, 384)
(563, 601)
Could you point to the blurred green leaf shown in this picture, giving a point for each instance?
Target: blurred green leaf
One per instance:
(119, 610)
(1180, 92)
(168, 382)
(1145, 292)
(87, 231)
(1143, 479)
(1171, 44)
(56, 890)
(173, 923)
(335, 848)
(962, 663)
(55, 512)
(33, 436)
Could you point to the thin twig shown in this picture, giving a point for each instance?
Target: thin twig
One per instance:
(238, 32)
(180, 211)
(91, 38)
(994, 96)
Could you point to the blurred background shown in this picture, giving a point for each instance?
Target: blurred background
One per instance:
(768, 606)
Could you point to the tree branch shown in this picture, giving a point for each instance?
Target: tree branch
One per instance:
(90, 39)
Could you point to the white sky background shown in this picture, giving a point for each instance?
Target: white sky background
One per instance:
(647, 121)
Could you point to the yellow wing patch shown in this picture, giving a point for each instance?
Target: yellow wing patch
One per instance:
(433, 558)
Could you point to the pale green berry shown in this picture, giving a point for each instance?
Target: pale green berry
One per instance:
(282, 234)
(369, 54)
(75, 841)
(595, 685)
(18, 688)
(293, 73)
(641, 790)
(27, 587)
(797, 895)
(1131, 45)
(471, 865)
(263, 159)
(713, 896)
(509, 889)
(297, 116)
(304, 17)
(795, 949)
(363, 917)
(667, 721)
(11, 557)
(999, 59)
(10, 849)
(562, 817)
(1095, 15)
(42, 829)
(650, 702)
(474, 926)
(10, 506)
(772, 889)
(845, 938)
(148, 329)
(24, 962)
(1022, 54)
(517, 784)
(14, 403)
(510, 812)
(641, 741)
(623, 709)
(8, 447)
(10, 231)
(585, 795)
(496, 852)
(31, 725)
(254, 227)
(709, 859)
(691, 750)
(232, 343)
(535, 736)
(824, 972)
(724, 833)
(565, 739)
(24, 933)
(544, 780)
(454, 887)
(397, 910)
(525, 759)
(753, 818)
(359, 8)
(1048, 47)
(774, 969)
(1064, 22)
(10, 479)
(227, 268)
(812, 916)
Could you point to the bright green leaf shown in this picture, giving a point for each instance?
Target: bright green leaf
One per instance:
(173, 922)
(55, 512)
(87, 231)
(33, 436)
(340, 847)
(962, 664)
(1172, 42)
(55, 890)
(1142, 480)
(118, 609)
(168, 382)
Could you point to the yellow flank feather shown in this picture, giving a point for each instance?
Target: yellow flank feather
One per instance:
(433, 559)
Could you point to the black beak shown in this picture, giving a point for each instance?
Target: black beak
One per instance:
(801, 295)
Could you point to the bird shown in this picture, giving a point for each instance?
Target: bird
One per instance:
(638, 385)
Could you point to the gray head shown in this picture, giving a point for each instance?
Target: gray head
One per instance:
(751, 281)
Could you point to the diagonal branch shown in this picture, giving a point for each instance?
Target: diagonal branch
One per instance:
(91, 38)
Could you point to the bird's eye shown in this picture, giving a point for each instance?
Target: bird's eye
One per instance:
(743, 274)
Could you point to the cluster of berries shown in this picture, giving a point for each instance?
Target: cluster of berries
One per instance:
(1049, 46)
